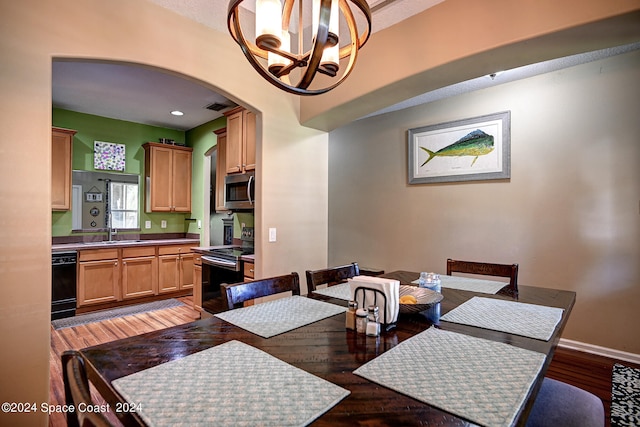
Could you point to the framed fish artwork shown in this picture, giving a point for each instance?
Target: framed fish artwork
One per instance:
(472, 149)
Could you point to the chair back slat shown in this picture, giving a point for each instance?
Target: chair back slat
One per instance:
(331, 276)
(76, 391)
(236, 294)
(487, 269)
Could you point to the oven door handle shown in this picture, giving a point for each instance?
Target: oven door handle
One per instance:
(217, 262)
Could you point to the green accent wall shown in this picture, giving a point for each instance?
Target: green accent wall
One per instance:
(202, 139)
(92, 128)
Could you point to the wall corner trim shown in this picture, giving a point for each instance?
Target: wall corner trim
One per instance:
(601, 351)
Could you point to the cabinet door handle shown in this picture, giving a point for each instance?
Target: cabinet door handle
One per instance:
(115, 264)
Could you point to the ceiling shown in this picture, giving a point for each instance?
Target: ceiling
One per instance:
(148, 95)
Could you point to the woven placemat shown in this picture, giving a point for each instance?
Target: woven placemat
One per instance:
(339, 291)
(282, 315)
(470, 284)
(477, 379)
(232, 384)
(528, 320)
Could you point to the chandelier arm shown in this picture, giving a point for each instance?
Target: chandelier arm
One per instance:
(319, 42)
(353, 30)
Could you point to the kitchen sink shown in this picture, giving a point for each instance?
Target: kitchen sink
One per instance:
(112, 242)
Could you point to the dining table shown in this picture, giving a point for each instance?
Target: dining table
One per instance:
(344, 358)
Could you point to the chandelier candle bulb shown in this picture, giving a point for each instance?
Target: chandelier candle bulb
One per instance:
(268, 23)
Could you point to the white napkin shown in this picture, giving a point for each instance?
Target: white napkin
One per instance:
(390, 288)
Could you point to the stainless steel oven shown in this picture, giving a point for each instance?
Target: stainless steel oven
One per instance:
(220, 266)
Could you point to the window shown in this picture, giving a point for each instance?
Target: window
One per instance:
(124, 205)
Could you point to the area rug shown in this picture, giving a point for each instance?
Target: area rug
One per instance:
(99, 316)
(625, 396)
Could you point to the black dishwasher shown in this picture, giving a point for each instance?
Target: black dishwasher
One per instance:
(63, 284)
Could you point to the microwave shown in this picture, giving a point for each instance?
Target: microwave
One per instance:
(239, 191)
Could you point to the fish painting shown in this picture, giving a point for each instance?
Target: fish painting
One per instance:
(476, 143)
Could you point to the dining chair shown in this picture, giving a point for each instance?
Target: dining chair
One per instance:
(562, 404)
(236, 294)
(488, 269)
(77, 392)
(331, 276)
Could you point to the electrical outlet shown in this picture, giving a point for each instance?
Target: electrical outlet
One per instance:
(199, 223)
(147, 224)
(163, 224)
(272, 234)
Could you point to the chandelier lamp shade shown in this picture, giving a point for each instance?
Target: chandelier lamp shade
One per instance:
(335, 31)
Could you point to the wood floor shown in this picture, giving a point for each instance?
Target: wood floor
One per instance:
(589, 372)
(105, 331)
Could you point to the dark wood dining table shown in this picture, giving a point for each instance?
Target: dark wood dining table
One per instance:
(326, 349)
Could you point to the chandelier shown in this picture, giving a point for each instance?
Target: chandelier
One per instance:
(327, 50)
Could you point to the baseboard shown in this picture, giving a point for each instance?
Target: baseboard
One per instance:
(600, 351)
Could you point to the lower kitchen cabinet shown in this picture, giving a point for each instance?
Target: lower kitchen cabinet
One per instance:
(109, 276)
(248, 270)
(139, 272)
(98, 277)
(197, 282)
(175, 266)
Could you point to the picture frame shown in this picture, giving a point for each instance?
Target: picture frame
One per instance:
(109, 156)
(473, 149)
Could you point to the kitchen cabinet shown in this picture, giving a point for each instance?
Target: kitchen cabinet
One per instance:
(241, 140)
(139, 272)
(61, 165)
(248, 269)
(197, 282)
(167, 171)
(98, 277)
(221, 169)
(107, 277)
(175, 268)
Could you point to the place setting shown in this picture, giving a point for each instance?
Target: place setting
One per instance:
(275, 317)
(478, 379)
(528, 320)
(232, 384)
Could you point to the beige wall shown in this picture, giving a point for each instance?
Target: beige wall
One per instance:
(462, 39)
(569, 215)
(292, 159)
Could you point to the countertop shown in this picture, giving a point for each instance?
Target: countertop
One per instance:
(119, 244)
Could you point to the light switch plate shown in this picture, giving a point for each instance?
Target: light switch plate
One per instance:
(199, 223)
(147, 224)
(163, 224)
(272, 234)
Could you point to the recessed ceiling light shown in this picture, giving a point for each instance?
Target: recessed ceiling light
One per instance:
(177, 113)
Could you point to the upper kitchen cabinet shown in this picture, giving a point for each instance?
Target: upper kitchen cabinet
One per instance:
(221, 169)
(167, 170)
(241, 140)
(61, 151)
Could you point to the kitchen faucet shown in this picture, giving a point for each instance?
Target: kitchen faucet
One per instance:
(111, 231)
